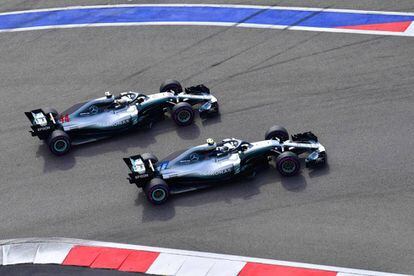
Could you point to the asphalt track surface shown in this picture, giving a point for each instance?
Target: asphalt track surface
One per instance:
(354, 91)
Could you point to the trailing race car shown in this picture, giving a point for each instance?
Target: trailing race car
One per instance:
(205, 165)
(103, 117)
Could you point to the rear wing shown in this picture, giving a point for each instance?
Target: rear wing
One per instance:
(42, 124)
(141, 170)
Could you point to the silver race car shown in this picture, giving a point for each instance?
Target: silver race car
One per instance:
(109, 115)
(211, 163)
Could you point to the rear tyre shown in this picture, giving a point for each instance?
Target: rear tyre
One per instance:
(157, 191)
(288, 163)
(149, 156)
(59, 142)
(251, 174)
(171, 85)
(48, 110)
(277, 132)
(183, 114)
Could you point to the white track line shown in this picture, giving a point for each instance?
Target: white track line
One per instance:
(407, 33)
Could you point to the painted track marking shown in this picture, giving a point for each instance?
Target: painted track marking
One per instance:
(155, 260)
(292, 18)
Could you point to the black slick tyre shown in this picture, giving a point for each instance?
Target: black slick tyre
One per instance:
(288, 163)
(157, 191)
(251, 174)
(183, 114)
(277, 132)
(59, 142)
(149, 156)
(171, 85)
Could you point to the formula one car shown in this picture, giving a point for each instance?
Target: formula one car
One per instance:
(208, 164)
(106, 116)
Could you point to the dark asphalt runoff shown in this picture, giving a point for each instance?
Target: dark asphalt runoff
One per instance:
(354, 91)
(56, 270)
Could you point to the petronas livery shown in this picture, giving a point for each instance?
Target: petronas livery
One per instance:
(205, 165)
(103, 117)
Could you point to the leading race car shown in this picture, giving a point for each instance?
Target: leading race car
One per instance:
(103, 117)
(205, 165)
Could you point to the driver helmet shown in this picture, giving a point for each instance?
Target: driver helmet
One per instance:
(108, 94)
(210, 141)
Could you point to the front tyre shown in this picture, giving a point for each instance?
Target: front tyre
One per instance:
(157, 191)
(288, 163)
(171, 85)
(277, 132)
(183, 114)
(59, 142)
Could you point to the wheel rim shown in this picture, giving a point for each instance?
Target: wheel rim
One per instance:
(158, 195)
(289, 166)
(60, 145)
(184, 116)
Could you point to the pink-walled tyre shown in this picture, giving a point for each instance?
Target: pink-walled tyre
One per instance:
(183, 114)
(288, 163)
